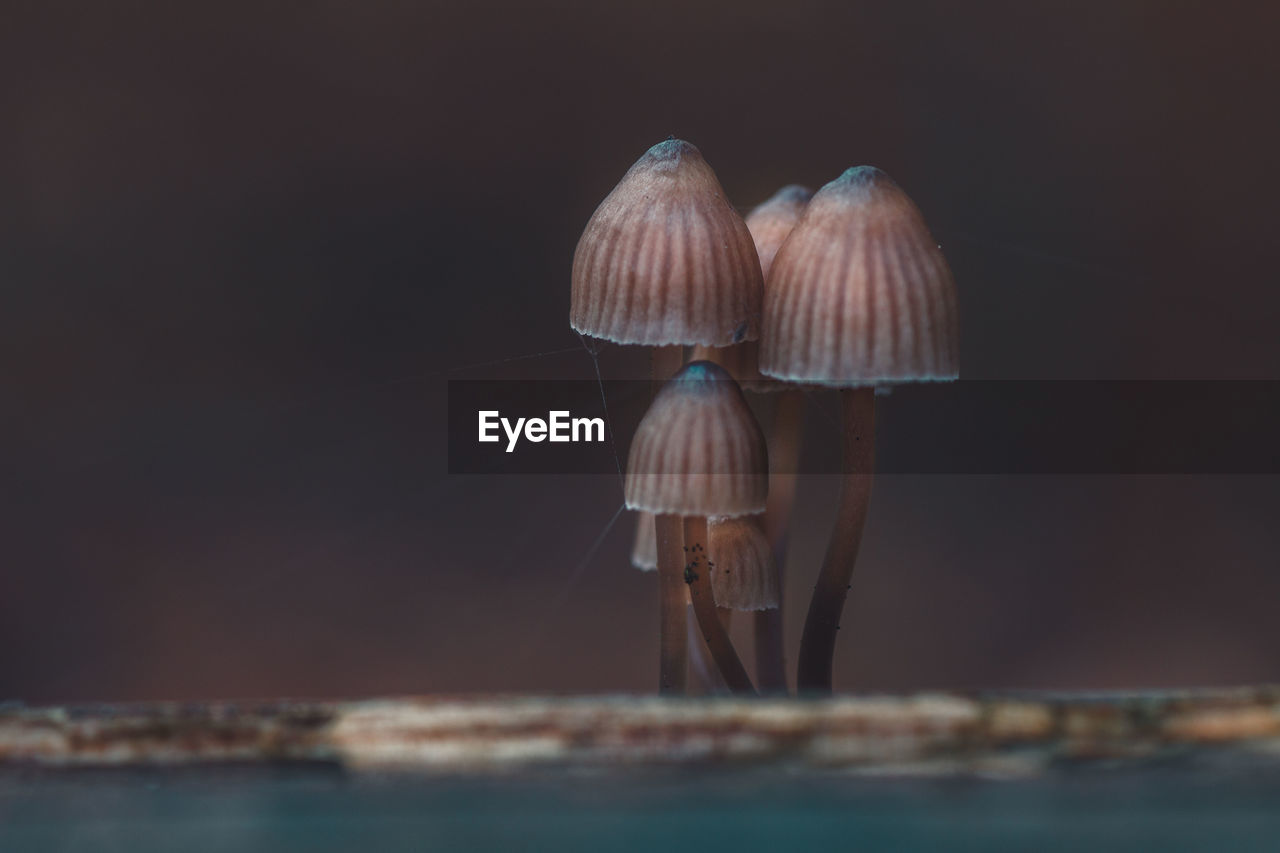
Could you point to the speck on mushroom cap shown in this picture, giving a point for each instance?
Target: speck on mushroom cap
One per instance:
(859, 293)
(744, 576)
(666, 259)
(698, 450)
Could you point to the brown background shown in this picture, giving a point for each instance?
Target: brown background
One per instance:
(243, 245)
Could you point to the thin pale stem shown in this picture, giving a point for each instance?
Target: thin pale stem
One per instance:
(784, 462)
(665, 362)
(672, 631)
(817, 645)
(698, 576)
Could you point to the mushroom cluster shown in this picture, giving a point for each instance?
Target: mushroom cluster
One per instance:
(844, 288)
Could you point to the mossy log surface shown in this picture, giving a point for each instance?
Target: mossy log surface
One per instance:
(998, 734)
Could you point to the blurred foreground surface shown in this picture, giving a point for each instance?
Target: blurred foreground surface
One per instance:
(1186, 770)
(1172, 808)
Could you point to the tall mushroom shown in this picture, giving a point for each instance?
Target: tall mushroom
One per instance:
(699, 452)
(666, 262)
(859, 295)
(770, 224)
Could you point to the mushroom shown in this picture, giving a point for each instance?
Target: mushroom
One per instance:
(743, 576)
(770, 224)
(859, 295)
(699, 452)
(666, 262)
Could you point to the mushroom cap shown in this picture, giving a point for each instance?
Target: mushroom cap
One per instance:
(644, 551)
(860, 294)
(744, 576)
(666, 260)
(771, 221)
(698, 450)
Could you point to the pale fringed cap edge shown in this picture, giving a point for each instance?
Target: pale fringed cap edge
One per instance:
(666, 259)
(744, 576)
(644, 551)
(698, 450)
(860, 293)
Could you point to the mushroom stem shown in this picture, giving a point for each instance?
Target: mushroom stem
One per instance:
(817, 644)
(698, 576)
(665, 362)
(784, 459)
(672, 631)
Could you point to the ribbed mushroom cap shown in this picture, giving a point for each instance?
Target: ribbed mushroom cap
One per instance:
(644, 551)
(744, 576)
(666, 259)
(698, 450)
(860, 294)
(770, 223)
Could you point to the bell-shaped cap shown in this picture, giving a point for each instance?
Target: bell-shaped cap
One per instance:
(771, 221)
(860, 294)
(743, 574)
(644, 551)
(698, 450)
(666, 259)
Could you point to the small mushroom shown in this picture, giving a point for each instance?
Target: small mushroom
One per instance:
(699, 452)
(743, 576)
(859, 295)
(667, 262)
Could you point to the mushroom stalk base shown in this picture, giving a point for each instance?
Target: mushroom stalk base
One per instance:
(698, 576)
(704, 677)
(784, 461)
(817, 645)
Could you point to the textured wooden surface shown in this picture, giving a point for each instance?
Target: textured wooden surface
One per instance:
(1005, 734)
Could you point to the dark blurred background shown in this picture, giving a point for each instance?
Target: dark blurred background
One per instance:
(244, 245)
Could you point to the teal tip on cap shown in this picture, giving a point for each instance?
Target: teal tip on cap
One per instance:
(672, 149)
(697, 373)
(864, 176)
